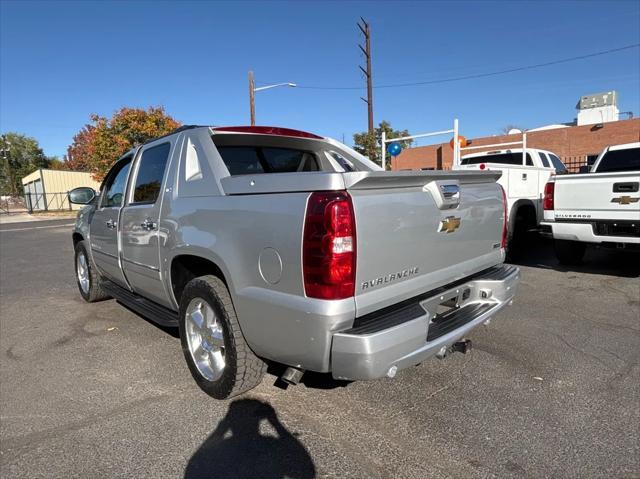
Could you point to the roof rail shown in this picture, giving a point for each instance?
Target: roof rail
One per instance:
(177, 130)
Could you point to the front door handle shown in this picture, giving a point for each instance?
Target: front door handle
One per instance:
(524, 176)
(148, 225)
(111, 224)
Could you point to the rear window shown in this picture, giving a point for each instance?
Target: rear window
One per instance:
(558, 164)
(246, 160)
(501, 158)
(248, 154)
(620, 160)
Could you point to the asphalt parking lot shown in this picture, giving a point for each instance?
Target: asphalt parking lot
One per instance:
(551, 388)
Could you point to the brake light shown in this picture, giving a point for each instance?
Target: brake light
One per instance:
(506, 220)
(267, 130)
(549, 193)
(329, 246)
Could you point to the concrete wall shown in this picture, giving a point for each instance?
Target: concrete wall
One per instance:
(571, 144)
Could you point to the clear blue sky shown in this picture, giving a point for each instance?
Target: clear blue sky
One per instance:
(62, 61)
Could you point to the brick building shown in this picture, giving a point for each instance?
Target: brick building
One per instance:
(575, 145)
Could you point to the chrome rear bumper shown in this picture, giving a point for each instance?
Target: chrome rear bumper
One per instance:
(410, 332)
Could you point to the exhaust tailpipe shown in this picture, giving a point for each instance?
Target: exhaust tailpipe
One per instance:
(292, 375)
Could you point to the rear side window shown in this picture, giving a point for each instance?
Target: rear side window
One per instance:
(150, 173)
(557, 164)
(343, 163)
(246, 160)
(620, 160)
(545, 161)
(501, 158)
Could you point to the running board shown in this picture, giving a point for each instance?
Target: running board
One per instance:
(150, 310)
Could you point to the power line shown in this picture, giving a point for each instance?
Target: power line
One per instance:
(478, 75)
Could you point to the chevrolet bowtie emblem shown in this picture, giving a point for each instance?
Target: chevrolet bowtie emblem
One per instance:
(449, 224)
(625, 200)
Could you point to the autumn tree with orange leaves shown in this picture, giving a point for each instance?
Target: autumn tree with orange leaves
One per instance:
(98, 145)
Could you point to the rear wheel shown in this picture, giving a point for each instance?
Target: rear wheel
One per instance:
(87, 276)
(216, 352)
(516, 240)
(569, 252)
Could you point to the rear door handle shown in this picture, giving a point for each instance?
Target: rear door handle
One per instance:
(524, 176)
(111, 224)
(148, 225)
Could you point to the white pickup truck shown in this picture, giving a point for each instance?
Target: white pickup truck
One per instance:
(601, 207)
(523, 180)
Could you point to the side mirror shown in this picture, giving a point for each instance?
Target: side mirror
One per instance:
(585, 169)
(82, 195)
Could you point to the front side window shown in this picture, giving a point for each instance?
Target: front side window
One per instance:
(150, 173)
(116, 183)
(620, 160)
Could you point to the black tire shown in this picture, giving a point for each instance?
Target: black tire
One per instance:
(243, 370)
(516, 240)
(94, 292)
(569, 252)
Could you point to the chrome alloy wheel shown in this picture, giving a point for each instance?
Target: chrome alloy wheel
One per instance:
(82, 270)
(205, 339)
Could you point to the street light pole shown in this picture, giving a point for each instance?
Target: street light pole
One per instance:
(252, 94)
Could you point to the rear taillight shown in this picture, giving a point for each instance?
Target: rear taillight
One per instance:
(506, 219)
(549, 192)
(329, 246)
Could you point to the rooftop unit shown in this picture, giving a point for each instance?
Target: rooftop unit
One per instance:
(598, 108)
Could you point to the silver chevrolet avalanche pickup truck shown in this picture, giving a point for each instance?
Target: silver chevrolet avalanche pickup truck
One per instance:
(270, 244)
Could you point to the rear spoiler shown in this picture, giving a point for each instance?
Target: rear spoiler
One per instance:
(399, 179)
(266, 183)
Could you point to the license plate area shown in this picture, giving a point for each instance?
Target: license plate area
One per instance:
(442, 306)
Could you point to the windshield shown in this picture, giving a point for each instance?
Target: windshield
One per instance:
(620, 160)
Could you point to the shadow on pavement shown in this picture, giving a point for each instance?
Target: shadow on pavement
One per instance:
(539, 253)
(250, 441)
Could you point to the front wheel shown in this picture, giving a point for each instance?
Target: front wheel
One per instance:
(216, 352)
(569, 252)
(87, 277)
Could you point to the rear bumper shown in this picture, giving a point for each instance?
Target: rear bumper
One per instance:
(584, 232)
(408, 333)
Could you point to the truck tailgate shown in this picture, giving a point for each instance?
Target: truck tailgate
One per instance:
(417, 231)
(597, 196)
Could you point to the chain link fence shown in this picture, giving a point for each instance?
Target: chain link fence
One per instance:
(35, 202)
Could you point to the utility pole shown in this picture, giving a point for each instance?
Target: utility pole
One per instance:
(252, 98)
(366, 50)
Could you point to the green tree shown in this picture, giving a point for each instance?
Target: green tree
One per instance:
(370, 145)
(98, 145)
(20, 155)
(56, 163)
